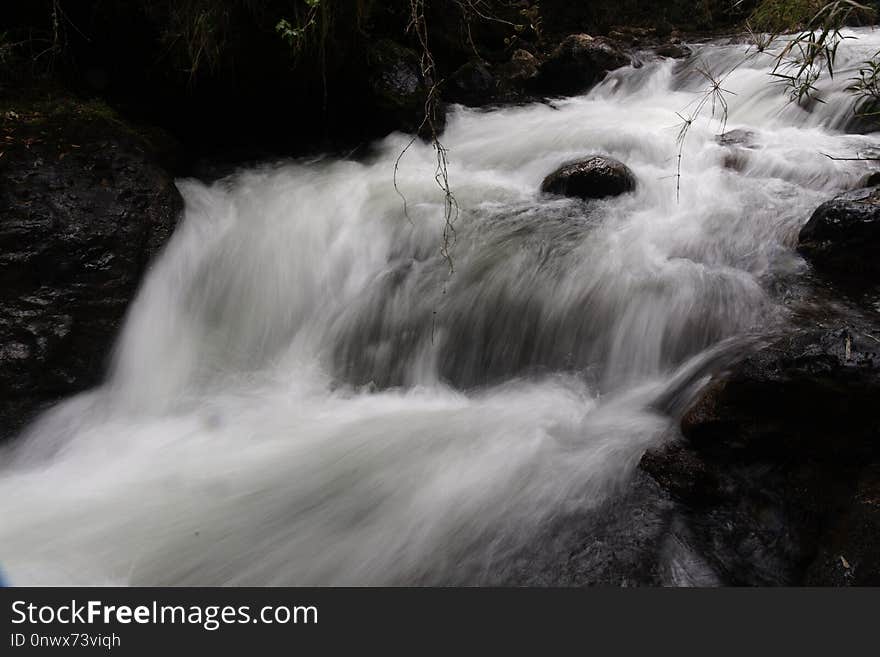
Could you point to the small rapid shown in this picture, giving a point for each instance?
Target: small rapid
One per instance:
(303, 393)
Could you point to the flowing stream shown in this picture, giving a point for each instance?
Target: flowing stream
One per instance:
(302, 393)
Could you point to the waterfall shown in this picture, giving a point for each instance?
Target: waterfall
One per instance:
(303, 393)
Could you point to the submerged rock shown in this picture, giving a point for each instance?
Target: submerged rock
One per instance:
(738, 137)
(843, 236)
(85, 206)
(739, 145)
(578, 63)
(780, 466)
(673, 51)
(596, 177)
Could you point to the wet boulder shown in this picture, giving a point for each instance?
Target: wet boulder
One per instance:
(578, 63)
(522, 66)
(779, 465)
(478, 83)
(472, 84)
(738, 137)
(739, 145)
(632, 35)
(396, 87)
(596, 177)
(514, 78)
(871, 180)
(842, 236)
(85, 207)
(673, 50)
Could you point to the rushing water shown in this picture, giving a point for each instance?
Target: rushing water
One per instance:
(302, 393)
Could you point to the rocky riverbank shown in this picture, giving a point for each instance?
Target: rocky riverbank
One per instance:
(778, 468)
(86, 203)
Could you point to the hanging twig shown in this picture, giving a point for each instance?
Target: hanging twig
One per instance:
(418, 25)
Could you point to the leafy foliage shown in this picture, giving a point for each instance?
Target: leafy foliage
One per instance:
(778, 16)
(296, 34)
(866, 87)
(811, 53)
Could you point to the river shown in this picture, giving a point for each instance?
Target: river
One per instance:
(303, 393)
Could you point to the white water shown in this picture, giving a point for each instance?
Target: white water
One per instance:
(301, 394)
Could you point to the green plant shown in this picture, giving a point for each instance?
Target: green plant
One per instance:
(193, 33)
(804, 58)
(811, 53)
(779, 16)
(534, 22)
(866, 87)
(296, 34)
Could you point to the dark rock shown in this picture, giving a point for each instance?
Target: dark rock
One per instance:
(780, 466)
(623, 542)
(398, 90)
(578, 63)
(514, 78)
(477, 84)
(736, 160)
(738, 137)
(850, 555)
(472, 84)
(595, 177)
(690, 476)
(84, 207)
(673, 51)
(872, 180)
(739, 143)
(843, 237)
(632, 35)
(523, 66)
